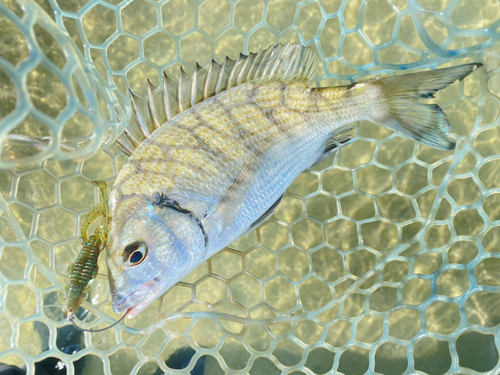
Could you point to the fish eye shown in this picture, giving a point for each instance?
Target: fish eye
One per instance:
(134, 252)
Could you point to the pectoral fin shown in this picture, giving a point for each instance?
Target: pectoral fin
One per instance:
(228, 206)
(266, 215)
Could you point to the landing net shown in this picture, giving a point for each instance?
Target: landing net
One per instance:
(384, 258)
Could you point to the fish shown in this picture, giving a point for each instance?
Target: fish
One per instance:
(211, 155)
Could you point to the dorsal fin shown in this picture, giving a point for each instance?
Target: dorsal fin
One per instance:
(282, 63)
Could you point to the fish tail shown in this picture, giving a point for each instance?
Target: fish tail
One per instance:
(401, 110)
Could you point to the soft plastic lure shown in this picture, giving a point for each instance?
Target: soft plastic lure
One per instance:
(85, 269)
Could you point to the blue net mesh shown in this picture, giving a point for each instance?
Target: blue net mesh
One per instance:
(383, 258)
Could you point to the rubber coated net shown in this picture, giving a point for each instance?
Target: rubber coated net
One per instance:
(382, 259)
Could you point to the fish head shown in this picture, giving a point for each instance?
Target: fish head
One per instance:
(150, 248)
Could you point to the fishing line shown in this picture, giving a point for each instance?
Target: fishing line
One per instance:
(72, 320)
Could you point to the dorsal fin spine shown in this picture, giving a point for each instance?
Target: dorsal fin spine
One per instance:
(153, 108)
(179, 90)
(281, 69)
(122, 140)
(135, 101)
(213, 84)
(124, 147)
(245, 68)
(273, 69)
(223, 77)
(253, 67)
(166, 101)
(197, 89)
(264, 63)
(169, 94)
(233, 73)
(282, 63)
(207, 83)
(220, 77)
(194, 84)
(228, 66)
(244, 60)
(135, 142)
(183, 90)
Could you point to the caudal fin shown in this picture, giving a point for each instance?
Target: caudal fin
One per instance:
(427, 123)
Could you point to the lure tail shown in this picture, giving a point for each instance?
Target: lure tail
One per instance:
(401, 110)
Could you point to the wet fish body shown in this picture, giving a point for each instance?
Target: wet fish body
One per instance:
(206, 176)
(194, 159)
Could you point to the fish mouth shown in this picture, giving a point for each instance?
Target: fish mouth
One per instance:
(138, 300)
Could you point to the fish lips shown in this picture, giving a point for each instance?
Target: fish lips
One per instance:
(138, 300)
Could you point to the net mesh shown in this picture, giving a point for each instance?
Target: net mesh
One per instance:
(383, 258)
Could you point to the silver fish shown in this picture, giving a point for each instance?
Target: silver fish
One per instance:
(212, 156)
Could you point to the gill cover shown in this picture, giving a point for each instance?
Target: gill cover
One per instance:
(150, 247)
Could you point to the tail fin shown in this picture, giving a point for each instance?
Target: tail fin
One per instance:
(426, 123)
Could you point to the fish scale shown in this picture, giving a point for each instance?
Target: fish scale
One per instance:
(208, 175)
(251, 123)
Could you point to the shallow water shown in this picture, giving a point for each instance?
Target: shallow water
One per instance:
(383, 258)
